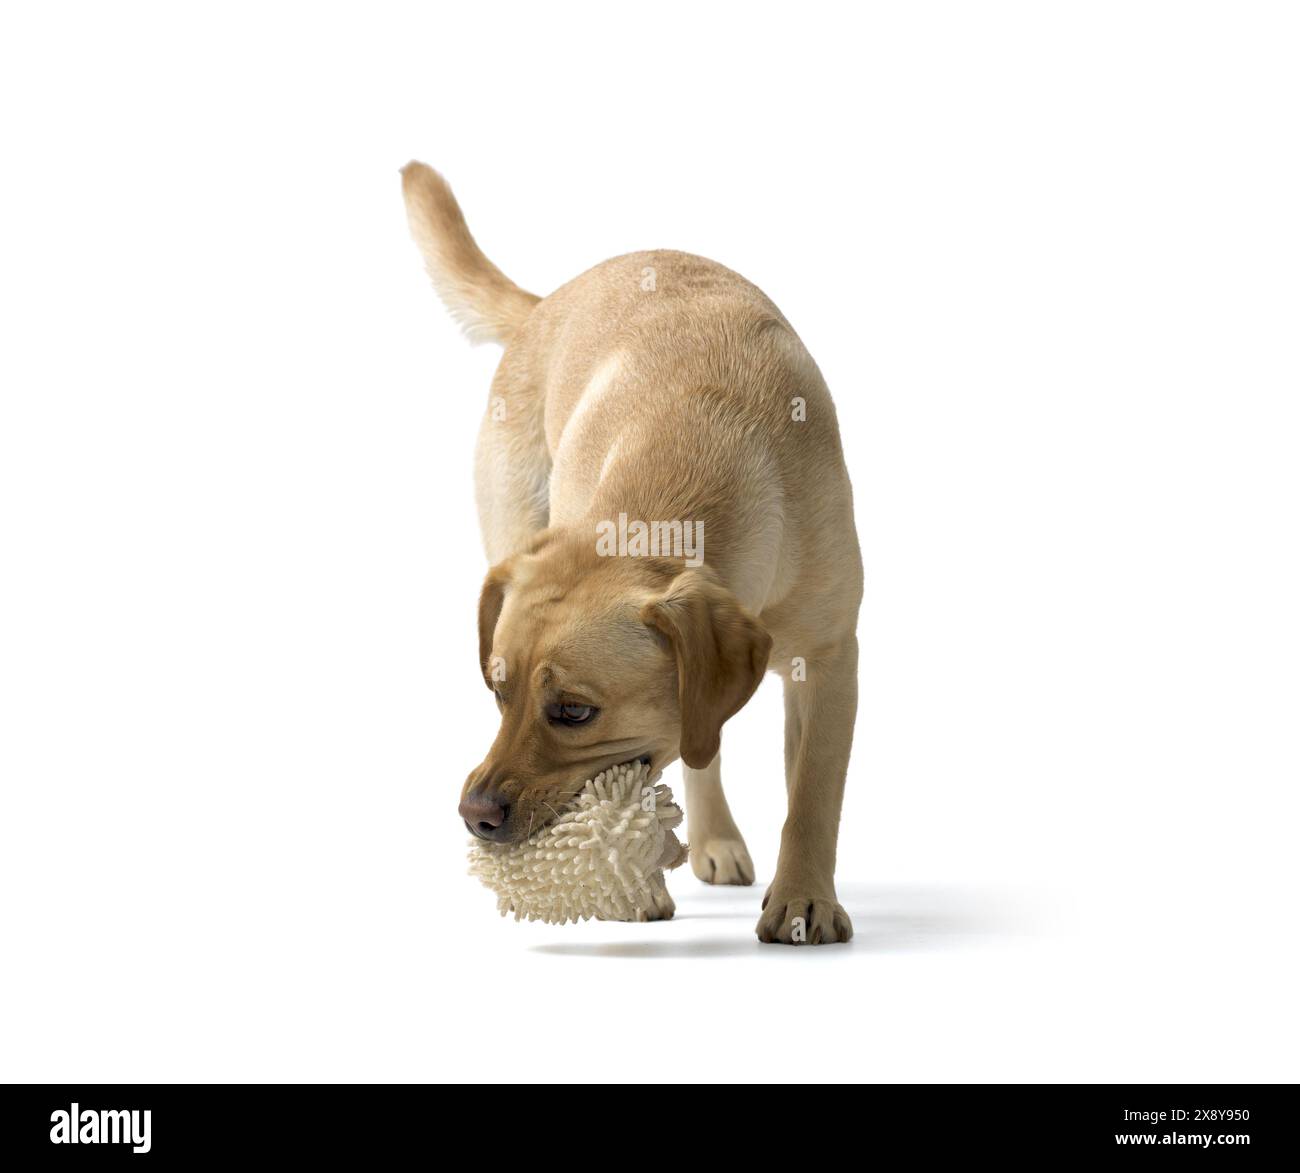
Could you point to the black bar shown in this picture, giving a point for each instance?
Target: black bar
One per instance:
(365, 1122)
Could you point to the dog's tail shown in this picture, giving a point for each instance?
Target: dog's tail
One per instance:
(486, 303)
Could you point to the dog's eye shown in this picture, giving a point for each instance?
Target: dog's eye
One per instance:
(570, 714)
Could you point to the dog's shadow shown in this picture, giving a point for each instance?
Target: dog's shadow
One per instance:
(885, 920)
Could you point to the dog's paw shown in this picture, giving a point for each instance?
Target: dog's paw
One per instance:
(661, 906)
(722, 861)
(802, 920)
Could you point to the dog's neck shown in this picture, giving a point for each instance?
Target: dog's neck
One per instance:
(659, 500)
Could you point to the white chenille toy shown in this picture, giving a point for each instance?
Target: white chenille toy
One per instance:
(604, 857)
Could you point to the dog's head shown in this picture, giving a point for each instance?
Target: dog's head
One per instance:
(595, 661)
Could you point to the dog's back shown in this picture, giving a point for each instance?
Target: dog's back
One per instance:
(656, 343)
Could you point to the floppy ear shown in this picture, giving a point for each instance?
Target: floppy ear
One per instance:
(721, 654)
(490, 599)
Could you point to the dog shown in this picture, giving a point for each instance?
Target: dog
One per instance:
(667, 513)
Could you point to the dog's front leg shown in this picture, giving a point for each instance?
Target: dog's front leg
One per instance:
(718, 853)
(821, 703)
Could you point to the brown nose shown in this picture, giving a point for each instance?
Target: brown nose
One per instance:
(484, 814)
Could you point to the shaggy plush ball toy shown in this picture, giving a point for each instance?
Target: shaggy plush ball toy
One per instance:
(604, 857)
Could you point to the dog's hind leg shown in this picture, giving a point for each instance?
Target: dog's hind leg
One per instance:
(718, 853)
(512, 465)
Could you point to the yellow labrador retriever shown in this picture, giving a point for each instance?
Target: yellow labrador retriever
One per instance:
(665, 505)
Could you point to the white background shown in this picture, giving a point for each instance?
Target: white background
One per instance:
(1047, 258)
